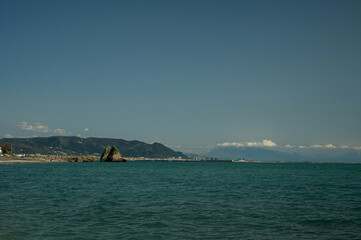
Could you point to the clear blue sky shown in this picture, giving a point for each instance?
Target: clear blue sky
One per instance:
(183, 73)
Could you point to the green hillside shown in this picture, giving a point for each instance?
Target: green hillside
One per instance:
(60, 145)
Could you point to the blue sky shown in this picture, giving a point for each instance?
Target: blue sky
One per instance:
(189, 74)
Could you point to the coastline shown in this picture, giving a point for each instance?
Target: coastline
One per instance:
(57, 159)
(10, 160)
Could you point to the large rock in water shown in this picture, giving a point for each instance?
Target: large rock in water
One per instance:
(105, 154)
(112, 155)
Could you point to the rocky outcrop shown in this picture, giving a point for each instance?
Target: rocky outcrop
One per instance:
(105, 154)
(81, 159)
(112, 155)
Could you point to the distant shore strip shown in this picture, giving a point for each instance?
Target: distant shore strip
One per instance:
(66, 159)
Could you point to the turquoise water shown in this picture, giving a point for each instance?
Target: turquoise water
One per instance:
(180, 200)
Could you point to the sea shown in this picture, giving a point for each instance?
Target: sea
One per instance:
(180, 200)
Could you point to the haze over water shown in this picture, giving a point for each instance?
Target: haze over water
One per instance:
(180, 200)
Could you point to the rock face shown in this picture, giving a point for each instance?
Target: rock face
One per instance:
(105, 154)
(81, 159)
(112, 155)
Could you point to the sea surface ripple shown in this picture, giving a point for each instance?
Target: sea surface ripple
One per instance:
(180, 200)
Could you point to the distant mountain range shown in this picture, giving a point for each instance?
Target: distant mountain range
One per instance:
(60, 145)
(310, 155)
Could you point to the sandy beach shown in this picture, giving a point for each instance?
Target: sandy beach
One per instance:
(11, 160)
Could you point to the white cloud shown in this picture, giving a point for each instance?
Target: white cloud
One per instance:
(329, 146)
(316, 146)
(86, 129)
(264, 143)
(8, 135)
(230, 144)
(38, 127)
(253, 144)
(35, 127)
(60, 131)
(269, 143)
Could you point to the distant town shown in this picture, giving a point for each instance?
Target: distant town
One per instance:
(7, 152)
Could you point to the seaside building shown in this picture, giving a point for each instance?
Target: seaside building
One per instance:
(1, 151)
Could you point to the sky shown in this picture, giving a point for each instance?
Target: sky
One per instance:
(189, 74)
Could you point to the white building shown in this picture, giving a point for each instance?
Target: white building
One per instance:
(1, 152)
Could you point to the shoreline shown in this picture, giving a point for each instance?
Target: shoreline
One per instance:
(52, 160)
(9, 160)
(15, 160)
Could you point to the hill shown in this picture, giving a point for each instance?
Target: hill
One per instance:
(60, 145)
